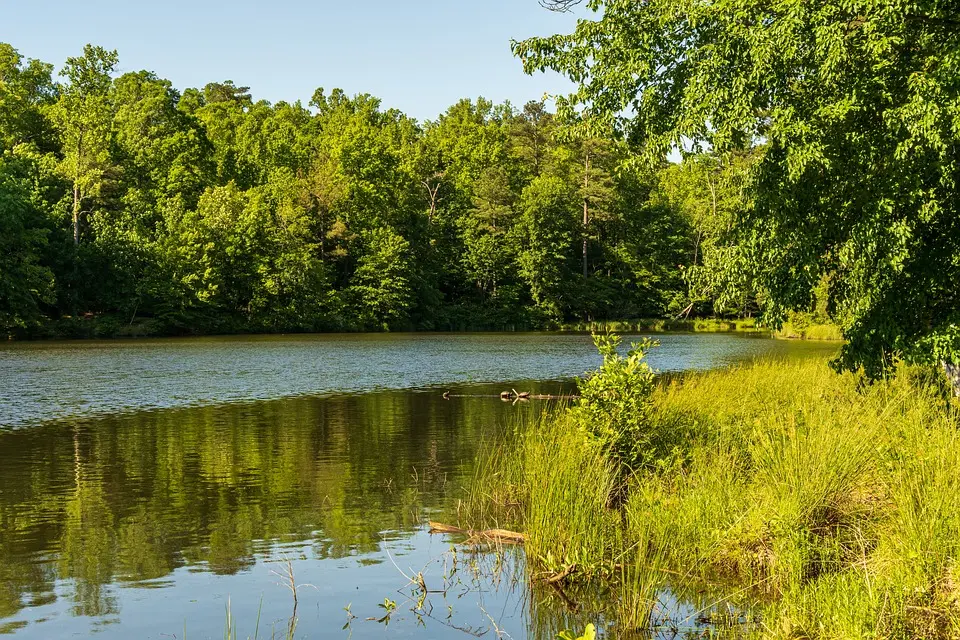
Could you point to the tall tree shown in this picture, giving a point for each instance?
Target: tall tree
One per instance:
(83, 115)
(855, 105)
(548, 255)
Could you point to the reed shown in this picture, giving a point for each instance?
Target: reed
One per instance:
(826, 506)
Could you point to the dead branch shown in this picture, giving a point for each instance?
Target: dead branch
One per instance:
(486, 535)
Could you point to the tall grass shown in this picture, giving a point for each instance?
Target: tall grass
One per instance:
(793, 331)
(552, 483)
(827, 505)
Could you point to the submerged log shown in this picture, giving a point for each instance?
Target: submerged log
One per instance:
(552, 397)
(485, 535)
(508, 396)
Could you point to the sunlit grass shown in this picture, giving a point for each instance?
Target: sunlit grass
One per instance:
(810, 332)
(825, 505)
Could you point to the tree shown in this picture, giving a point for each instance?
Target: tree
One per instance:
(25, 89)
(25, 283)
(486, 230)
(596, 192)
(531, 135)
(382, 279)
(83, 115)
(709, 191)
(548, 229)
(854, 105)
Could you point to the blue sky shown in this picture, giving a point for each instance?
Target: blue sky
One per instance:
(418, 56)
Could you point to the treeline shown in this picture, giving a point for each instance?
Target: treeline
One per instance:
(127, 203)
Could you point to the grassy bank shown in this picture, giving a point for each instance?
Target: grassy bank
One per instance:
(655, 325)
(816, 505)
(796, 329)
(791, 331)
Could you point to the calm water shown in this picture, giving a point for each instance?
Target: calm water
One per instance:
(144, 484)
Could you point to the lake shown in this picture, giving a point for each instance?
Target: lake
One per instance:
(149, 487)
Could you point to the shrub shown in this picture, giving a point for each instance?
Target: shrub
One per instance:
(614, 408)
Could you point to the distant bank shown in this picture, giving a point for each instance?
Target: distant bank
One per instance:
(101, 327)
(796, 329)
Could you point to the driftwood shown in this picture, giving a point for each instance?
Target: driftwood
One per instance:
(557, 578)
(510, 396)
(487, 535)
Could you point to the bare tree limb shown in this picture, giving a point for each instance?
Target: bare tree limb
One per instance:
(560, 5)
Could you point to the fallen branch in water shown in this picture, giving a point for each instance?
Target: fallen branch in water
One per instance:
(557, 578)
(570, 604)
(486, 535)
(510, 395)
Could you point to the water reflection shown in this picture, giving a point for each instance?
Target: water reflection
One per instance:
(95, 509)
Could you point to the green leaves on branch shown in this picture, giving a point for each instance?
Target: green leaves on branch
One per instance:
(614, 407)
(853, 106)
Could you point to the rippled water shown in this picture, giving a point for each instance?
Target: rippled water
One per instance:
(42, 381)
(144, 484)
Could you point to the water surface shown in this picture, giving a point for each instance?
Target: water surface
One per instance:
(145, 484)
(40, 381)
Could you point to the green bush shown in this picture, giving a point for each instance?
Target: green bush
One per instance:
(614, 407)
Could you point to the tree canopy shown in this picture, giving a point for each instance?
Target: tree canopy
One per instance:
(128, 205)
(852, 108)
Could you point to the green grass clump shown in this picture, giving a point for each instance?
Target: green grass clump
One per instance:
(568, 481)
(553, 483)
(792, 331)
(827, 506)
(661, 325)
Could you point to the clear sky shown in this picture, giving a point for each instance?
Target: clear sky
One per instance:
(420, 56)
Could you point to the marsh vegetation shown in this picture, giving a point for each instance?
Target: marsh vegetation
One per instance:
(803, 502)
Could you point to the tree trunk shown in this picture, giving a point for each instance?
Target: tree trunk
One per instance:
(953, 375)
(76, 215)
(586, 212)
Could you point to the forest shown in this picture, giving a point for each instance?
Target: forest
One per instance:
(128, 206)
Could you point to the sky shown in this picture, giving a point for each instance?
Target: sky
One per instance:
(419, 56)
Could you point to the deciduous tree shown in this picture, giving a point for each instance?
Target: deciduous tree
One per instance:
(855, 106)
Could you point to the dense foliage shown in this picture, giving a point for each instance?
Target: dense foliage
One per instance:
(855, 108)
(614, 404)
(143, 208)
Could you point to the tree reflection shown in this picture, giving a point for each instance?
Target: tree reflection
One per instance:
(131, 498)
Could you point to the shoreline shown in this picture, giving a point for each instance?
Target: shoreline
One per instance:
(108, 329)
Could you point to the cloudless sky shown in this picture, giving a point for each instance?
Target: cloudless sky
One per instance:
(420, 56)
